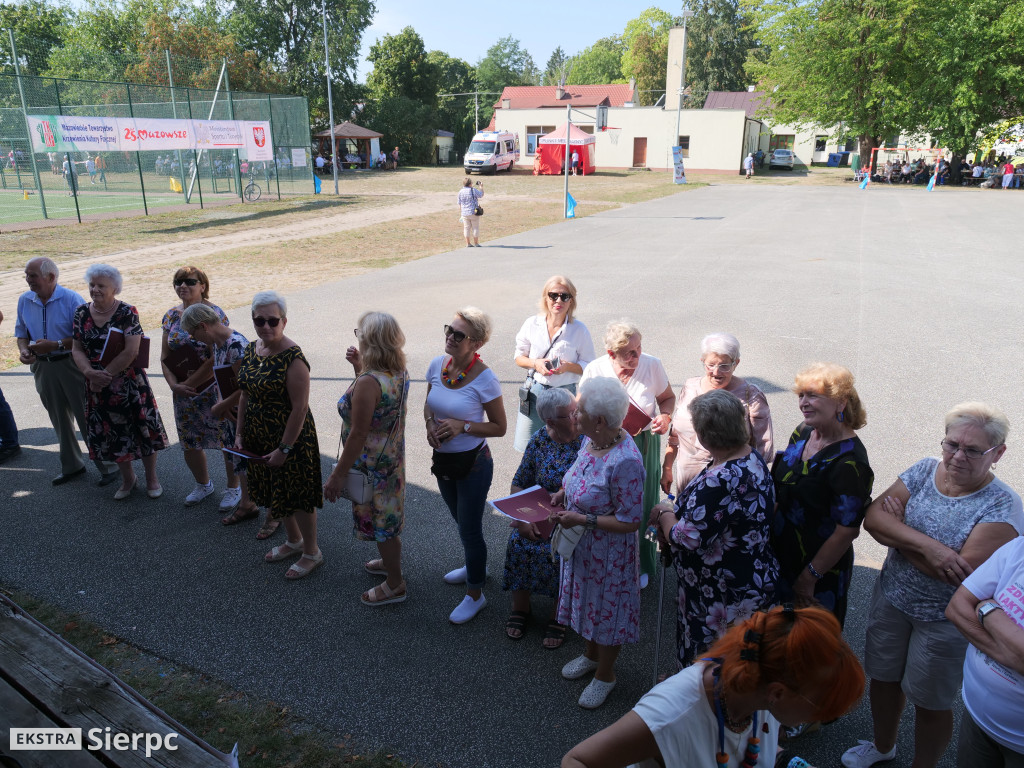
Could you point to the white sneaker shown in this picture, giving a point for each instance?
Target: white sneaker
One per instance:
(578, 667)
(595, 694)
(467, 609)
(865, 754)
(230, 499)
(644, 580)
(199, 493)
(458, 576)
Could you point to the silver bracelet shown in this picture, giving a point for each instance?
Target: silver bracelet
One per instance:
(591, 521)
(814, 573)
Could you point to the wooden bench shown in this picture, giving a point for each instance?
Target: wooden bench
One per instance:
(47, 683)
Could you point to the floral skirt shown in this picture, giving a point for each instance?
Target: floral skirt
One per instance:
(528, 566)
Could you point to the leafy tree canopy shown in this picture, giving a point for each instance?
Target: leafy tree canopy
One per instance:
(718, 41)
(555, 68)
(401, 67)
(646, 52)
(38, 28)
(599, 64)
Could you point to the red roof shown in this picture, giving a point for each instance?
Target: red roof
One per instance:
(749, 101)
(539, 96)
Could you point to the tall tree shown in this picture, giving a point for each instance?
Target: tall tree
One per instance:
(831, 62)
(401, 67)
(599, 64)
(405, 123)
(555, 69)
(102, 42)
(38, 28)
(646, 52)
(289, 34)
(454, 113)
(506, 63)
(719, 42)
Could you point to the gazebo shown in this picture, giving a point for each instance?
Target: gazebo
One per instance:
(348, 137)
(551, 150)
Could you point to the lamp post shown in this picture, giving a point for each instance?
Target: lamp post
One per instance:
(687, 13)
(330, 100)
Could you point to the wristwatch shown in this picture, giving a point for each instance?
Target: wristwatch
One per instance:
(984, 610)
(284, 448)
(465, 427)
(60, 345)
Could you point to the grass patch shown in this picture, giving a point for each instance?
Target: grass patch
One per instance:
(267, 733)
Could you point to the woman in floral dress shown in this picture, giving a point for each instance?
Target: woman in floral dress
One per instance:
(529, 565)
(198, 428)
(373, 431)
(603, 492)
(719, 534)
(123, 421)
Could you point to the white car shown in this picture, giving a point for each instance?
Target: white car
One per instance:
(781, 158)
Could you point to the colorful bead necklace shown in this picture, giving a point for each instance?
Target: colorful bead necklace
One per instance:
(753, 750)
(458, 379)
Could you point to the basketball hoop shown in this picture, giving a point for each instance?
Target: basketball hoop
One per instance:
(613, 137)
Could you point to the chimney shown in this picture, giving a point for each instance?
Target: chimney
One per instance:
(675, 56)
(751, 88)
(559, 92)
(506, 103)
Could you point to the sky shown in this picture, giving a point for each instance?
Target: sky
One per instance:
(467, 29)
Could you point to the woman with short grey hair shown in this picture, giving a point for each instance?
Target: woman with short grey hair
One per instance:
(686, 456)
(720, 529)
(123, 420)
(530, 567)
(602, 492)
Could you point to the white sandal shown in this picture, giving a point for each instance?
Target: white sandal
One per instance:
(297, 571)
(390, 595)
(595, 694)
(280, 553)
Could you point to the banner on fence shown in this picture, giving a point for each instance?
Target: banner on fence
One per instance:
(62, 133)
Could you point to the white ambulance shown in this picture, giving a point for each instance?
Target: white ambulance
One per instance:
(492, 151)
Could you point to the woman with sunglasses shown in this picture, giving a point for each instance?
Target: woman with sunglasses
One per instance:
(941, 519)
(275, 423)
(463, 408)
(555, 348)
(198, 428)
(775, 668)
(646, 382)
(685, 456)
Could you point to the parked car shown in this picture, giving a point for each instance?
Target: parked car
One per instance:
(781, 158)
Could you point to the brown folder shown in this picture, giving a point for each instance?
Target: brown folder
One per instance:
(227, 380)
(635, 420)
(184, 361)
(114, 346)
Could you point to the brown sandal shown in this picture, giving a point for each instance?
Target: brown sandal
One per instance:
(241, 515)
(268, 528)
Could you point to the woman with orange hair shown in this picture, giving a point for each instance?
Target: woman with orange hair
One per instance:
(822, 490)
(777, 668)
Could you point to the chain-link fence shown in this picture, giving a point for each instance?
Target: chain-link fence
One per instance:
(80, 185)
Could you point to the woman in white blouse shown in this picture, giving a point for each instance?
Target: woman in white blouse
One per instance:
(463, 408)
(646, 382)
(554, 347)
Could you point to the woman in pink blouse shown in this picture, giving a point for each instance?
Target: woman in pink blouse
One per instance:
(603, 492)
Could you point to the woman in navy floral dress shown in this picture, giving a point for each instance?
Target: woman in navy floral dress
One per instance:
(529, 568)
(823, 488)
(719, 534)
(120, 410)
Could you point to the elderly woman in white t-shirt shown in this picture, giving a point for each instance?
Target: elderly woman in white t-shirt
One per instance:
(464, 408)
(685, 457)
(941, 519)
(554, 348)
(646, 382)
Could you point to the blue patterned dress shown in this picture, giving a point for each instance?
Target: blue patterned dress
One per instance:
(722, 552)
(831, 488)
(528, 564)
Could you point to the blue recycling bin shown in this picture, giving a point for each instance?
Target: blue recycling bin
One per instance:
(833, 159)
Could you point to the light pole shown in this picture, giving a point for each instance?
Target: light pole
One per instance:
(330, 100)
(687, 13)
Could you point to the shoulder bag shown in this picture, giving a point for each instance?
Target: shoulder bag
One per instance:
(525, 406)
(359, 485)
(564, 540)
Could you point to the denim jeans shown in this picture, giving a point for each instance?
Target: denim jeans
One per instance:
(466, 500)
(8, 429)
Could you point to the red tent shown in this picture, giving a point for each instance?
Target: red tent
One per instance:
(551, 149)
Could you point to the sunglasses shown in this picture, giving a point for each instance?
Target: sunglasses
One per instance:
(458, 336)
(189, 281)
(259, 322)
(562, 296)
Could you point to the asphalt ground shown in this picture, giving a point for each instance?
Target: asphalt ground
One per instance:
(918, 293)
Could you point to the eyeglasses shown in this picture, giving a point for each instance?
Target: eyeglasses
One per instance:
(189, 281)
(720, 368)
(563, 296)
(259, 322)
(948, 446)
(458, 336)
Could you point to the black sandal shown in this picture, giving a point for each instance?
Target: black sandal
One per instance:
(554, 631)
(516, 623)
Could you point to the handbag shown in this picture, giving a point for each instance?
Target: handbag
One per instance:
(453, 466)
(525, 406)
(478, 211)
(565, 539)
(359, 485)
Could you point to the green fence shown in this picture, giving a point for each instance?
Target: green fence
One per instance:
(143, 182)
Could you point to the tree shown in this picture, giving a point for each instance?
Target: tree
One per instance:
(405, 123)
(506, 63)
(288, 35)
(401, 67)
(646, 52)
(556, 67)
(719, 42)
(38, 27)
(102, 41)
(599, 64)
(827, 62)
(454, 113)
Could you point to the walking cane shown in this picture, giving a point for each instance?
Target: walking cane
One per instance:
(665, 557)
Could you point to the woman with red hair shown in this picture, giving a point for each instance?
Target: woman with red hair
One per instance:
(783, 667)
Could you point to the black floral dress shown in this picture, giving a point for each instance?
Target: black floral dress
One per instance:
(297, 485)
(831, 488)
(528, 564)
(122, 418)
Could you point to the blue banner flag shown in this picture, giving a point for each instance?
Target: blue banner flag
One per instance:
(864, 183)
(931, 182)
(316, 184)
(570, 207)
